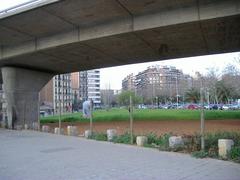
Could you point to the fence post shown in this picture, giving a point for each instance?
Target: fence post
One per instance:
(202, 120)
(131, 119)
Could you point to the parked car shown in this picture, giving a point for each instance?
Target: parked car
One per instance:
(193, 106)
(214, 107)
(234, 107)
(142, 106)
(225, 107)
(207, 106)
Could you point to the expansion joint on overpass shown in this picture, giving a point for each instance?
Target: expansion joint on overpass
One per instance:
(200, 27)
(129, 12)
(132, 26)
(1, 51)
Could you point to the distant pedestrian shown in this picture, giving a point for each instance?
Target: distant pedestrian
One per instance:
(87, 108)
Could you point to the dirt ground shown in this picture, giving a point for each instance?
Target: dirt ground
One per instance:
(158, 127)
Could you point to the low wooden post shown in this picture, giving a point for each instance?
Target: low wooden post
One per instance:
(91, 118)
(131, 119)
(202, 121)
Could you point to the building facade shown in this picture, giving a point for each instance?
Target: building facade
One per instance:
(158, 81)
(57, 94)
(107, 97)
(90, 86)
(128, 83)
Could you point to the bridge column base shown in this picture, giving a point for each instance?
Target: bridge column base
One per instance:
(21, 88)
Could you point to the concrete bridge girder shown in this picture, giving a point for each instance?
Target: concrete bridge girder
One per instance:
(192, 29)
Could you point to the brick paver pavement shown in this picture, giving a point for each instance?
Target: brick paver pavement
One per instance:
(29, 155)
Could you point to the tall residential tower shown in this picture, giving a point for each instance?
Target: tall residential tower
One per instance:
(90, 86)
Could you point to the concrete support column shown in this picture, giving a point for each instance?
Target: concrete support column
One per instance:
(21, 88)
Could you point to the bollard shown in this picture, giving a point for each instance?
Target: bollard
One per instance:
(141, 140)
(87, 134)
(45, 129)
(19, 127)
(224, 146)
(111, 133)
(72, 131)
(35, 126)
(56, 131)
(175, 141)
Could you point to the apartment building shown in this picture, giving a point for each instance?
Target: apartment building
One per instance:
(128, 83)
(56, 95)
(90, 86)
(156, 81)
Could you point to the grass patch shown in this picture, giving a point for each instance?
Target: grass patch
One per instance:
(144, 114)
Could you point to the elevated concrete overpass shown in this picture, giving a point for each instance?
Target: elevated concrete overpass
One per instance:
(69, 35)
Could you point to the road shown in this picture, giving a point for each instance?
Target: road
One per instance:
(29, 155)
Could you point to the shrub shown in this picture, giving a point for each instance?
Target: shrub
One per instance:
(99, 136)
(192, 143)
(161, 142)
(234, 154)
(200, 154)
(164, 142)
(152, 138)
(211, 139)
(211, 145)
(124, 138)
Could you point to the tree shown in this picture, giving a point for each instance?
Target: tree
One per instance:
(75, 105)
(210, 81)
(231, 80)
(192, 95)
(123, 98)
(223, 92)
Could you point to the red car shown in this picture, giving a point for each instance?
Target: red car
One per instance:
(192, 106)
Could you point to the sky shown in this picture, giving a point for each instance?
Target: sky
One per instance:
(113, 76)
(5, 4)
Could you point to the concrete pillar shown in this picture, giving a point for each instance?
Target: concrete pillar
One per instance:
(35, 126)
(21, 88)
(224, 146)
(111, 133)
(45, 129)
(72, 131)
(87, 133)
(175, 141)
(141, 140)
(58, 131)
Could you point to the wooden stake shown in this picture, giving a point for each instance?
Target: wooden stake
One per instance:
(202, 121)
(131, 119)
(91, 109)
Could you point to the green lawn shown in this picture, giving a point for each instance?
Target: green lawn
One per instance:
(145, 114)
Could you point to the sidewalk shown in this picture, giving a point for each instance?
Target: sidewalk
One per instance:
(34, 155)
